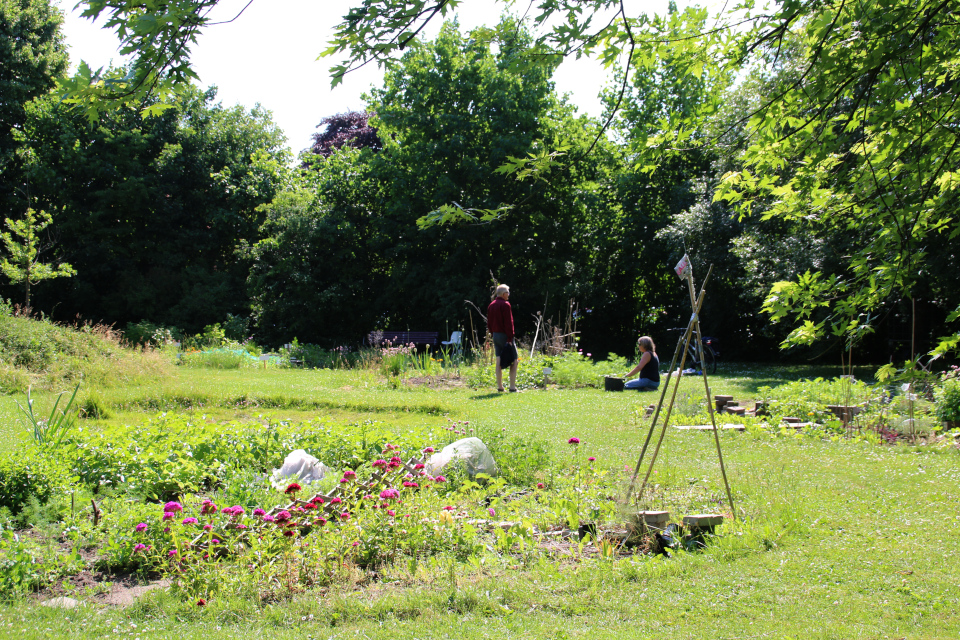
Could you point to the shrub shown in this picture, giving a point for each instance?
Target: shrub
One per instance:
(28, 474)
(146, 333)
(948, 399)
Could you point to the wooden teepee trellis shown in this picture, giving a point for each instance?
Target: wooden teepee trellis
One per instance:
(684, 269)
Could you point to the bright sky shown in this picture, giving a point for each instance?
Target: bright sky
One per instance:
(268, 55)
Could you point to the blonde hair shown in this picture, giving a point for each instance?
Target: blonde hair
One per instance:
(501, 289)
(647, 343)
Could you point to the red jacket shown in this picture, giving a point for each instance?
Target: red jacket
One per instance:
(500, 318)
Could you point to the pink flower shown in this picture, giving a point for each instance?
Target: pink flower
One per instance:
(172, 507)
(171, 553)
(344, 481)
(440, 479)
(208, 508)
(368, 497)
(492, 512)
(349, 474)
(429, 450)
(320, 522)
(573, 441)
(215, 541)
(396, 460)
(307, 507)
(167, 516)
(389, 494)
(418, 466)
(259, 513)
(345, 515)
(591, 459)
(269, 519)
(317, 500)
(289, 533)
(391, 512)
(237, 510)
(379, 463)
(356, 543)
(283, 516)
(540, 485)
(140, 547)
(448, 508)
(335, 500)
(411, 485)
(140, 528)
(190, 521)
(208, 527)
(166, 529)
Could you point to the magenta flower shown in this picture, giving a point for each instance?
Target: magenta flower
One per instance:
(345, 515)
(190, 521)
(259, 513)
(167, 516)
(391, 512)
(335, 500)
(389, 494)
(540, 485)
(573, 441)
(317, 500)
(171, 553)
(396, 460)
(172, 507)
(418, 466)
(411, 485)
(215, 541)
(140, 547)
(591, 459)
(140, 528)
(349, 474)
(283, 516)
(320, 522)
(293, 487)
(208, 527)
(208, 508)
(269, 519)
(288, 533)
(379, 463)
(429, 450)
(166, 529)
(440, 479)
(344, 481)
(448, 508)
(491, 511)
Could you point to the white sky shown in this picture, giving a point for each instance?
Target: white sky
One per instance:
(269, 56)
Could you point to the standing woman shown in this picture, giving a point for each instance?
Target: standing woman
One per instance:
(500, 325)
(648, 367)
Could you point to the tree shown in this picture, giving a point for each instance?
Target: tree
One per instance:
(23, 264)
(151, 211)
(32, 57)
(351, 129)
(449, 116)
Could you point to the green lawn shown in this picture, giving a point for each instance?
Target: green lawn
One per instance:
(840, 539)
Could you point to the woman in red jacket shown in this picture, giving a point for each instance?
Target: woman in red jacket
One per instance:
(500, 324)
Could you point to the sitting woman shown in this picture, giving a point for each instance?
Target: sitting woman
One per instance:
(648, 367)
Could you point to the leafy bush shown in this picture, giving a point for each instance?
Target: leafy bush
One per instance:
(28, 474)
(948, 398)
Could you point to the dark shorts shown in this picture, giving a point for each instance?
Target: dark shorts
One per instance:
(499, 342)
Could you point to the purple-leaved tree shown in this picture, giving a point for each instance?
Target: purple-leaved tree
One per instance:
(351, 129)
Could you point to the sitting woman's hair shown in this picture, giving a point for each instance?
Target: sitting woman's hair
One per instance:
(501, 289)
(647, 343)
